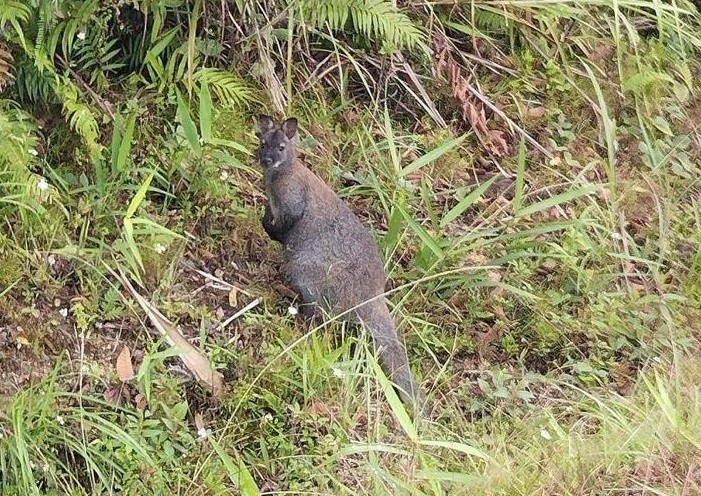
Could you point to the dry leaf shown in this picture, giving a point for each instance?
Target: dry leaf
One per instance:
(499, 312)
(234, 297)
(140, 401)
(115, 394)
(22, 340)
(192, 357)
(199, 421)
(323, 409)
(125, 370)
(536, 112)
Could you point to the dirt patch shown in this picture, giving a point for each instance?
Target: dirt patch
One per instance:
(32, 341)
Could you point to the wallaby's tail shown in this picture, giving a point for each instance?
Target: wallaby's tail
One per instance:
(376, 318)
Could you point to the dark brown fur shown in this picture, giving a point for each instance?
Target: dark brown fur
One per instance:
(330, 257)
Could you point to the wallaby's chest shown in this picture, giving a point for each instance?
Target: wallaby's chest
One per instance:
(273, 202)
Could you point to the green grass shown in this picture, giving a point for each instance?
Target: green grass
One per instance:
(549, 301)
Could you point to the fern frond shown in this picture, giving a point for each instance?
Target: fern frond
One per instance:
(79, 115)
(19, 192)
(6, 66)
(14, 12)
(32, 84)
(374, 19)
(228, 87)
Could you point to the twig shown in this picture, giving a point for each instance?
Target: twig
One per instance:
(100, 101)
(211, 277)
(245, 309)
(508, 120)
(427, 102)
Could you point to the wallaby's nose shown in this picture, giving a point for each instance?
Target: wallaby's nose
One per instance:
(267, 161)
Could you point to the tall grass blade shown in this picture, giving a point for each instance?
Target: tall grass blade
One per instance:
(183, 115)
(237, 471)
(465, 203)
(558, 199)
(520, 175)
(395, 403)
(432, 155)
(119, 165)
(205, 111)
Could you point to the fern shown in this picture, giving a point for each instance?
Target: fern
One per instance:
(373, 19)
(32, 85)
(226, 85)
(491, 22)
(6, 69)
(20, 192)
(13, 12)
(79, 115)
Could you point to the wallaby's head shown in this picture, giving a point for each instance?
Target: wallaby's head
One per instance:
(276, 146)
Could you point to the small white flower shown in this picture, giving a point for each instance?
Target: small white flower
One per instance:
(224, 175)
(42, 184)
(60, 420)
(46, 468)
(338, 372)
(32, 464)
(81, 35)
(545, 434)
(63, 312)
(51, 260)
(84, 368)
(202, 433)
(32, 151)
(267, 417)
(160, 248)
(292, 310)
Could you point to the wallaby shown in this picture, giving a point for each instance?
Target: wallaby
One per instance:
(330, 258)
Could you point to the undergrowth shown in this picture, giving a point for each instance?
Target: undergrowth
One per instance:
(530, 171)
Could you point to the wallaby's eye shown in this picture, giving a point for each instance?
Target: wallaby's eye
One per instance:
(281, 146)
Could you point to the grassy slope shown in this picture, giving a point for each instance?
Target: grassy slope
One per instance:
(554, 320)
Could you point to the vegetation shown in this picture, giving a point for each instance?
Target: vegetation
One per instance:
(531, 170)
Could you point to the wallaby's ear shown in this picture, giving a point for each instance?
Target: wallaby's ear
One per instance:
(263, 124)
(289, 127)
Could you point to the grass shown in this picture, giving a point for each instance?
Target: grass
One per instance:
(549, 301)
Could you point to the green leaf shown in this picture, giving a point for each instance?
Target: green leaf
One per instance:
(395, 403)
(138, 197)
(393, 152)
(463, 204)
(421, 233)
(183, 115)
(125, 144)
(231, 144)
(394, 225)
(155, 227)
(237, 471)
(432, 155)
(133, 249)
(520, 174)
(557, 200)
(116, 138)
(454, 446)
(205, 112)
